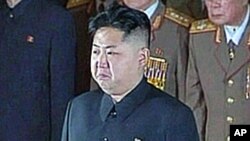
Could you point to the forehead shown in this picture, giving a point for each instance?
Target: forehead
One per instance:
(108, 35)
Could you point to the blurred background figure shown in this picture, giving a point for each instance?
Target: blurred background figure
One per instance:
(82, 10)
(37, 69)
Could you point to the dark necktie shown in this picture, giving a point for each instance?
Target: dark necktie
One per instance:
(231, 50)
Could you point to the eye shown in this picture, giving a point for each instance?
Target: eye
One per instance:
(95, 51)
(111, 53)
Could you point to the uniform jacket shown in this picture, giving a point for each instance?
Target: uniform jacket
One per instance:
(171, 39)
(192, 8)
(37, 61)
(145, 114)
(216, 86)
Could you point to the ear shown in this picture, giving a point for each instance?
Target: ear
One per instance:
(144, 54)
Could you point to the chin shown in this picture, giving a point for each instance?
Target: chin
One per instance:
(104, 85)
(218, 21)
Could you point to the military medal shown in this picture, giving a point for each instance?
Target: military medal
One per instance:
(155, 72)
(231, 50)
(248, 84)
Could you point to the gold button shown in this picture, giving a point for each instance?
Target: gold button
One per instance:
(230, 83)
(230, 119)
(228, 138)
(105, 139)
(230, 100)
(11, 16)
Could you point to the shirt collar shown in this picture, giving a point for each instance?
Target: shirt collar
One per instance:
(236, 35)
(127, 104)
(151, 9)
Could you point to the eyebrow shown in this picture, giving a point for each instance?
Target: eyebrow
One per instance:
(107, 47)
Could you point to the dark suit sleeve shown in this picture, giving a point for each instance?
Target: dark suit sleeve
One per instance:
(65, 132)
(194, 95)
(62, 69)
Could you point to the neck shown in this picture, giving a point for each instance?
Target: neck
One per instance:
(13, 3)
(119, 96)
(144, 7)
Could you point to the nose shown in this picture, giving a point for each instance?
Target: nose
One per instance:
(216, 3)
(102, 61)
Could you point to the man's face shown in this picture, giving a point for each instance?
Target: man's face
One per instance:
(138, 4)
(230, 12)
(114, 62)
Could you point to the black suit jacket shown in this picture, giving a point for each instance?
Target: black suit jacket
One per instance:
(145, 114)
(37, 65)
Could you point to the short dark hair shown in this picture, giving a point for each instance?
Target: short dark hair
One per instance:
(123, 18)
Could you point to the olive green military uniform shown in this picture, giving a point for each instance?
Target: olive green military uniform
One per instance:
(217, 87)
(193, 8)
(170, 42)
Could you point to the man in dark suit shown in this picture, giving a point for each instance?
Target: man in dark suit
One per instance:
(37, 65)
(218, 84)
(127, 107)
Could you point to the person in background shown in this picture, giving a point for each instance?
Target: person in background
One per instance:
(37, 66)
(218, 84)
(127, 107)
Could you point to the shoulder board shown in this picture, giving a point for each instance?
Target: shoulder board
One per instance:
(178, 17)
(201, 26)
(75, 3)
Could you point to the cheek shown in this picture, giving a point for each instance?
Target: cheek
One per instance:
(119, 67)
(92, 64)
(92, 61)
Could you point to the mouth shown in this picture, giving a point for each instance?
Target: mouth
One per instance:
(217, 15)
(103, 76)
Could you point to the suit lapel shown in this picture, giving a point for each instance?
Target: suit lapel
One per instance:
(221, 50)
(242, 54)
